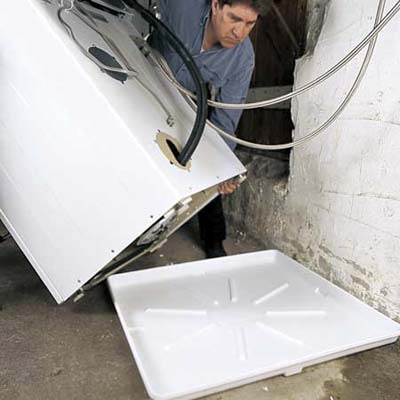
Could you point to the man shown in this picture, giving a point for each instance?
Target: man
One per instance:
(216, 32)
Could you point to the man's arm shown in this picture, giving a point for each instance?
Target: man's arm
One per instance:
(234, 91)
(163, 7)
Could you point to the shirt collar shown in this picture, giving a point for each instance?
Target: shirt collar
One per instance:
(206, 14)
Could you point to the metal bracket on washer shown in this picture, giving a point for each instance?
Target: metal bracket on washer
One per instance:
(3, 238)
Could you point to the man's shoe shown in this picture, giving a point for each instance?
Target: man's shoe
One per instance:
(214, 250)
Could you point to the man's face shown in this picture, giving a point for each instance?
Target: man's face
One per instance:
(233, 24)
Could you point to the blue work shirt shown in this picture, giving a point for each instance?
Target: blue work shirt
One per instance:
(227, 72)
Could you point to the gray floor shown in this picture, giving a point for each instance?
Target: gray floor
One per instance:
(78, 351)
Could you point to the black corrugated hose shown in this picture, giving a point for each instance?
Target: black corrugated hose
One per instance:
(201, 88)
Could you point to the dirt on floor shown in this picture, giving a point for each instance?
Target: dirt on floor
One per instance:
(79, 352)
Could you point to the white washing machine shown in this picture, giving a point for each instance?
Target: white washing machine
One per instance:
(87, 156)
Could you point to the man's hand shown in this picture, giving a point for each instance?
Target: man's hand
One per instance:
(228, 187)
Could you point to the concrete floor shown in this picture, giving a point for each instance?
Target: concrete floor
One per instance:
(78, 351)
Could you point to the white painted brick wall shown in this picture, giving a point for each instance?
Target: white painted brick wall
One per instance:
(343, 202)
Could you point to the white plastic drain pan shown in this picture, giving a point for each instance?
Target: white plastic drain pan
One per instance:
(207, 326)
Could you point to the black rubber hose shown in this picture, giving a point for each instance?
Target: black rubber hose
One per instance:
(201, 89)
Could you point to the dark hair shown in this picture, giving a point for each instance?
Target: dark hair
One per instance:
(261, 6)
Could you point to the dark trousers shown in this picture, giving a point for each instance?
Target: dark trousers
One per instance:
(212, 218)
(212, 222)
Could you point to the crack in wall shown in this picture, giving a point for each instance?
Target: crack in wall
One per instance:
(316, 14)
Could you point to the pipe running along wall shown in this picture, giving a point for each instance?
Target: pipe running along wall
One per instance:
(371, 38)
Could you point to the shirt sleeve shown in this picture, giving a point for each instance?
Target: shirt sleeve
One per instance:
(164, 7)
(234, 91)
